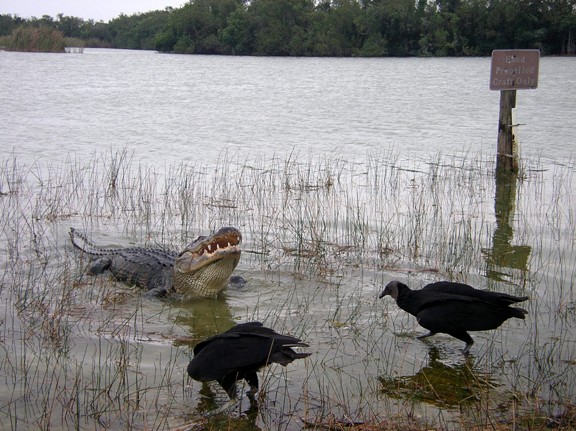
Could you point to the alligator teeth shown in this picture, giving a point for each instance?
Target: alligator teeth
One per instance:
(209, 247)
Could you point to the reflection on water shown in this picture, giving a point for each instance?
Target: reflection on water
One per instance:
(440, 384)
(503, 256)
(238, 418)
(204, 317)
(245, 421)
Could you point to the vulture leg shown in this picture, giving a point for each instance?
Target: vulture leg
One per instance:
(228, 382)
(466, 349)
(252, 379)
(464, 336)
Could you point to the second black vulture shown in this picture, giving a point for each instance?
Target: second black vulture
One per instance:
(455, 308)
(239, 353)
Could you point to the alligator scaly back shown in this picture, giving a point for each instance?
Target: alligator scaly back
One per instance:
(81, 242)
(148, 268)
(201, 269)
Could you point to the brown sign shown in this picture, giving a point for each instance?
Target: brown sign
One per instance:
(514, 69)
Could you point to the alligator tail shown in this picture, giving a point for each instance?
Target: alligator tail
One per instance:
(81, 242)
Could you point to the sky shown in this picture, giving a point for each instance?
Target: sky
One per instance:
(99, 10)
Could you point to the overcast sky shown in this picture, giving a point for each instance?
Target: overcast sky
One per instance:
(98, 10)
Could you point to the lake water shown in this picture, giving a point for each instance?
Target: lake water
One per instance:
(342, 174)
(171, 108)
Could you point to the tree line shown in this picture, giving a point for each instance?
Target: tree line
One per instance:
(364, 28)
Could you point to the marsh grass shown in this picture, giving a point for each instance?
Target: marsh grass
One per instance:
(28, 39)
(321, 238)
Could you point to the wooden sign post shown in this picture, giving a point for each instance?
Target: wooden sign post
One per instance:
(511, 70)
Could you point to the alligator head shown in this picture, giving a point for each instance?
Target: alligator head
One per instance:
(205, 265)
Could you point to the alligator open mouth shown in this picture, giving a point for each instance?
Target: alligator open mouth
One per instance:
(204, 267)
(206, 250)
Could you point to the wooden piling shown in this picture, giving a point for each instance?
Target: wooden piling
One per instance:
(507, 157)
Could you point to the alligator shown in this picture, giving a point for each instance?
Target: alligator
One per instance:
(202, 269)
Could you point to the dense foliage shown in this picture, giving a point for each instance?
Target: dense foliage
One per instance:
(333, 27)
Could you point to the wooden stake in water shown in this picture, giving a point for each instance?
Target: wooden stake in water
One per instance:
(507, 151)
(511, 70)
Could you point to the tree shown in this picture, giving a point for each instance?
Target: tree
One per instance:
(395, 21)
(275, 23)
(9, 23)
(138, 31)
(238, 35)
(70, 26)
(338, 28)
(201, 22)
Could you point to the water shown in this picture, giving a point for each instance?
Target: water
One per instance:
(168, 108)
(342, 174)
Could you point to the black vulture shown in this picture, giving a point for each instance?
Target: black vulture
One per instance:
(455, 308)
(239, 353)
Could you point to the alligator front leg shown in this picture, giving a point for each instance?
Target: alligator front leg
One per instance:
(99, 266)
(157, 292)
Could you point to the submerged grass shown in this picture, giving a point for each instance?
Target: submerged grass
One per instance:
(322, 236)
